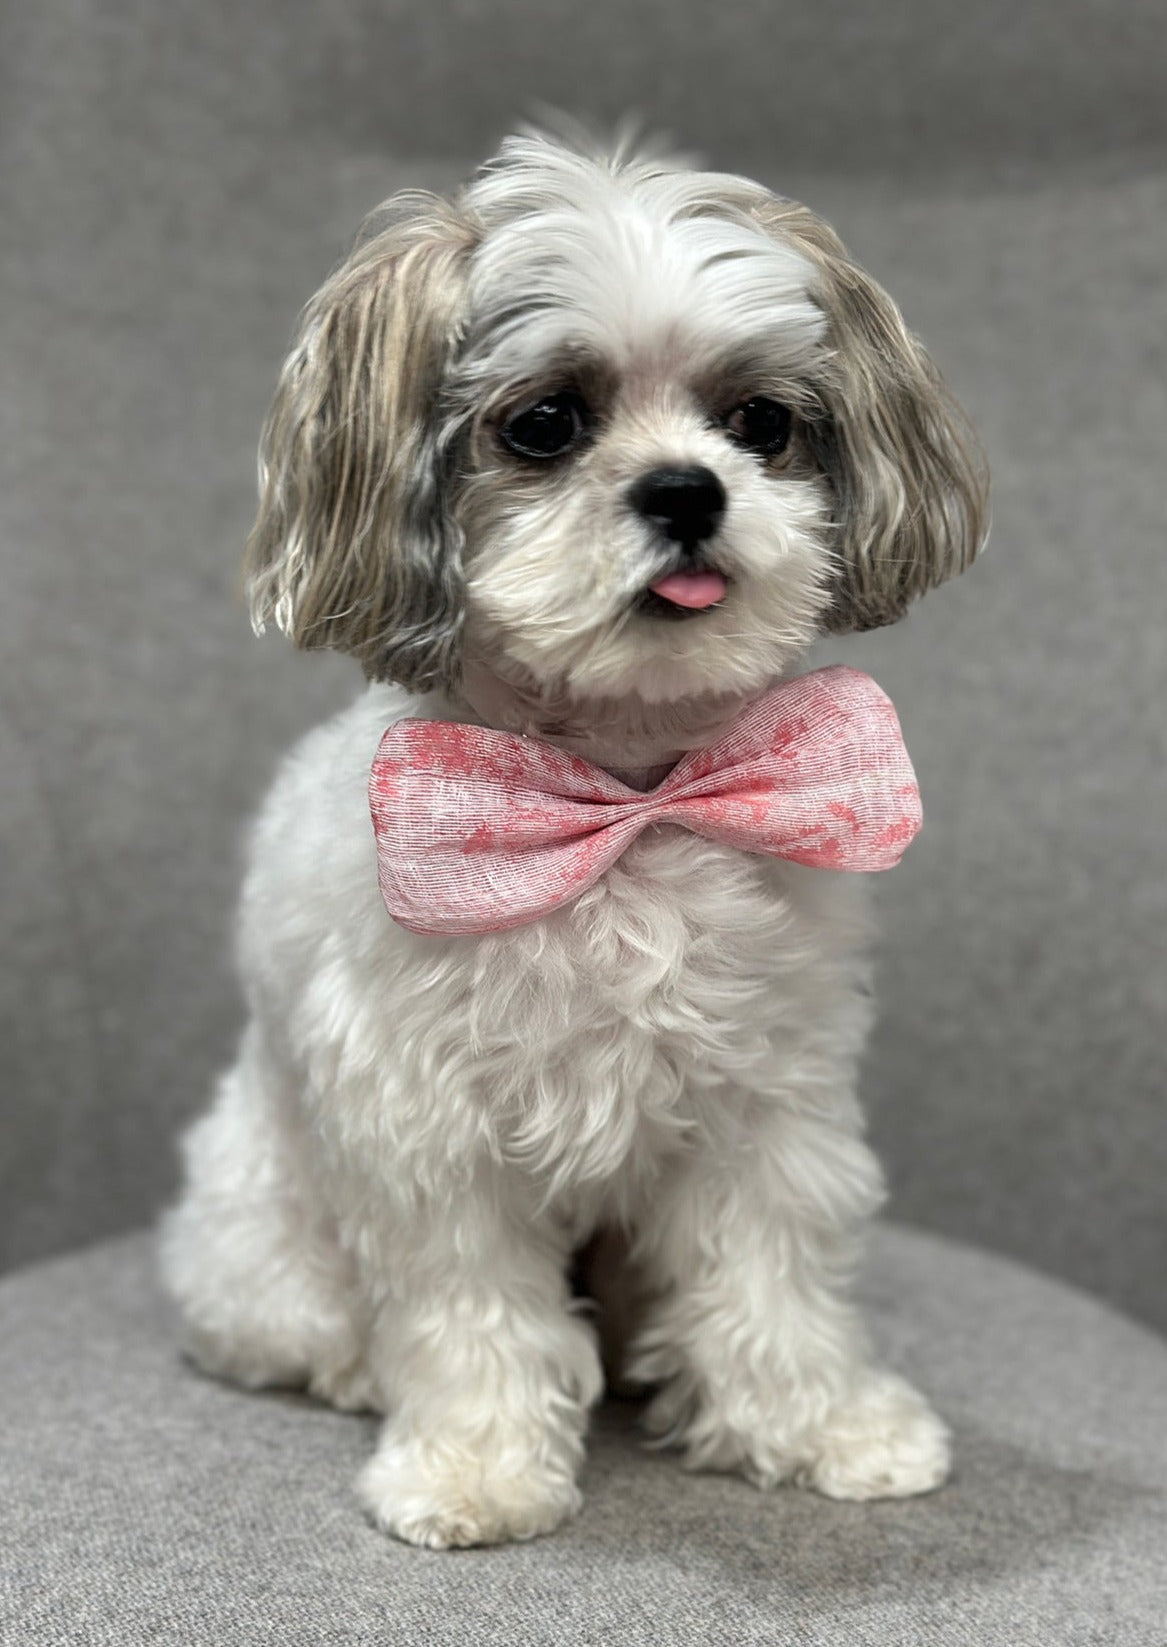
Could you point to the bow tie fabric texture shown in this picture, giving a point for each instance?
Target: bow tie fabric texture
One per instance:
(479, 830)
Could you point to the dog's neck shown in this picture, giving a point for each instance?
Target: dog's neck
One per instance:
(637, 742)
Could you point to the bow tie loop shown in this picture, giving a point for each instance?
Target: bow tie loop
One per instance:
(479, 830)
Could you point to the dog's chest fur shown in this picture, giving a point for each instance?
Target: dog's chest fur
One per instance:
(692, 981)
(687, 984)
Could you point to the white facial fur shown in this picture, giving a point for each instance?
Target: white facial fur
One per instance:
(652, 292)
(395, 525)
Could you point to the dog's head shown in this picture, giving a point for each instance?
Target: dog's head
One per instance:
(616, 425)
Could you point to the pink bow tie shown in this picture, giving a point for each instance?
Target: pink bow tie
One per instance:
(479, 830)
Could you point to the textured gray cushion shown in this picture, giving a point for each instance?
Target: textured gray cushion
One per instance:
(143, 1503)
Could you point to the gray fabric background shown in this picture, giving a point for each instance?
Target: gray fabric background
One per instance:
(175, 180)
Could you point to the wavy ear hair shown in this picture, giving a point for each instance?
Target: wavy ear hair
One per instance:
(353, 547)
(910, 481)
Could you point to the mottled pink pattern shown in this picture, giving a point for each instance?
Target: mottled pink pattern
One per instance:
(479, 830)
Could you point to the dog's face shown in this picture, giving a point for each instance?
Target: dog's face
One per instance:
(614, 427)
(643, 513)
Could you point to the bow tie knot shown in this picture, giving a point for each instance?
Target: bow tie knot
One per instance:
(479, 830)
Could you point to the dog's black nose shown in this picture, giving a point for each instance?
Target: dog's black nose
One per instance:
(684, 504)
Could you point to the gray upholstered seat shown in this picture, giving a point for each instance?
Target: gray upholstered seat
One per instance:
(142, 1503)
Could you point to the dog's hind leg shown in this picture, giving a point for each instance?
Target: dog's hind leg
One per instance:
(249, 1252)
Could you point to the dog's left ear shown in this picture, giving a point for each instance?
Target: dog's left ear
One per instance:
(910, 481)
(353, 546)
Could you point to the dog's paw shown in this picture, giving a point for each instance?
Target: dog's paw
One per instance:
(884, 1441)
(443, 1498)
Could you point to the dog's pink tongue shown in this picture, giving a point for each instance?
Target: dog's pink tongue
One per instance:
(695, 589)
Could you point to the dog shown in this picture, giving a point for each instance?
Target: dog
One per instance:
(583, 458)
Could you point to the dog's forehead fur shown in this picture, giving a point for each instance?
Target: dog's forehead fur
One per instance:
(637, 263)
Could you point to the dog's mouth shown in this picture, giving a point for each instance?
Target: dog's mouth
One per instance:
(683, 592)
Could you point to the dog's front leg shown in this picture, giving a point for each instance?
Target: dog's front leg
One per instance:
(486, 1372)
(762, 1365)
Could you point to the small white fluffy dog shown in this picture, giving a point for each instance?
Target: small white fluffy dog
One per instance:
(506, 419)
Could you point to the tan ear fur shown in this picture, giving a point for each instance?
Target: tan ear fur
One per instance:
(352, 547)
(910, 480)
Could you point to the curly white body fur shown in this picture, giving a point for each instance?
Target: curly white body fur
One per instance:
(418, 1132)
(592, 452)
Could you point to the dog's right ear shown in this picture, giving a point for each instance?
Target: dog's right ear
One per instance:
(353, 546)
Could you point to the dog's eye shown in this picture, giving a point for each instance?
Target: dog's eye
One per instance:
(546, 429)
(761, 425)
